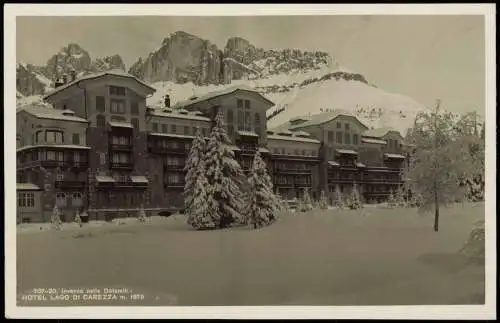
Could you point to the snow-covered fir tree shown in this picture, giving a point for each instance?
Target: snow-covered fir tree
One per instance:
(56, 218)
(306, 202)
(78, 219)
(338, 199)
(399, 197)
(223, 174)
(391, 200)
(202, 213)
(196, 154)
(142, 215)
(355, 199)
(262, 205)
(323, 203)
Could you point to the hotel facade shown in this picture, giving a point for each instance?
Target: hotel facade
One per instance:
(100, 147)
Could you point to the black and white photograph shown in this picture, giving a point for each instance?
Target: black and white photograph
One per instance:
(287, 162)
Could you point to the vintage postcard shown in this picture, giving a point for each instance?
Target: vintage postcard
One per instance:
(250, 161)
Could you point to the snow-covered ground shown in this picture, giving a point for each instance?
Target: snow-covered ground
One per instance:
(392, 257)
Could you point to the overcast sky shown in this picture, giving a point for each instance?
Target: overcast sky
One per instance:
(424, 57)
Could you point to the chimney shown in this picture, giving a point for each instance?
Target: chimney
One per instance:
(58, 82)
(73, 75)
(167, 101)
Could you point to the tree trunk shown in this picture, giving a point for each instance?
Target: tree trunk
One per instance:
(436, 212)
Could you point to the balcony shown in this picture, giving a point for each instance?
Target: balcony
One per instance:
(125, 166)
(175, 185)
(293, 171)
(302, 184)
(121, 147)
(52, 163)
(174, 167)
(168, 150)
(65, 184)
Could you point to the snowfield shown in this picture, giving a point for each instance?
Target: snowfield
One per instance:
(331, 257)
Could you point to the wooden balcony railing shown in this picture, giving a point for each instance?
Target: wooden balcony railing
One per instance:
(67, 184)
(128, 166)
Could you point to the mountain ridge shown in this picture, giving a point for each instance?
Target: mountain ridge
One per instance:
(299, 82)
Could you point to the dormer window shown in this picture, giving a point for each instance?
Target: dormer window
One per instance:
(117, 90)
(54, 137)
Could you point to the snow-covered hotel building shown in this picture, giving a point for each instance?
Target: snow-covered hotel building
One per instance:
(99, 146)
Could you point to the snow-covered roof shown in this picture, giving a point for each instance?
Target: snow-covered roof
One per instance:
(347, 152)
(247, 133)
(301, 134)
(52, 146)
(325, 117)
(263, 150)
(27, 187)
(333, 163)
(379, 132)
(116, 72)
(44, 112)
(139, 179)
(119, 124)
(217, 93)
(374, 141)
(394, 156)
(290, 138)
(160, 113)
(104, 179)
(171, 135)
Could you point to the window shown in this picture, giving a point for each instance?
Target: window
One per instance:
(194, 130)
(347, 139)
(120, 140)
(173, 161)
(118, 106)
(339, 125)
(135, 123)
(247, 104)
(51, 155)
(330, 136)
(174, 128)
(241, 116)
(59, 156)
(39, 135)
(230, 116)
(186, 130)
(257, 123)
(355, 139)
(33, 142)
(248, 121)
(120, 158)
(59, 176)
(76, 139)
(155, 127)
(61, 199)
(102, 159)
(54, 137)
(26, 200)
(76, 199)
(276, 151)
(117, 90)
(339, 137)
(204, 131)
(101, 121)
(174, 178)
(346, 126)
(100, 104)
(304, 153)
(164, 128)
(134, 108)
(296, 152)
(283, 151)
(76, 156)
